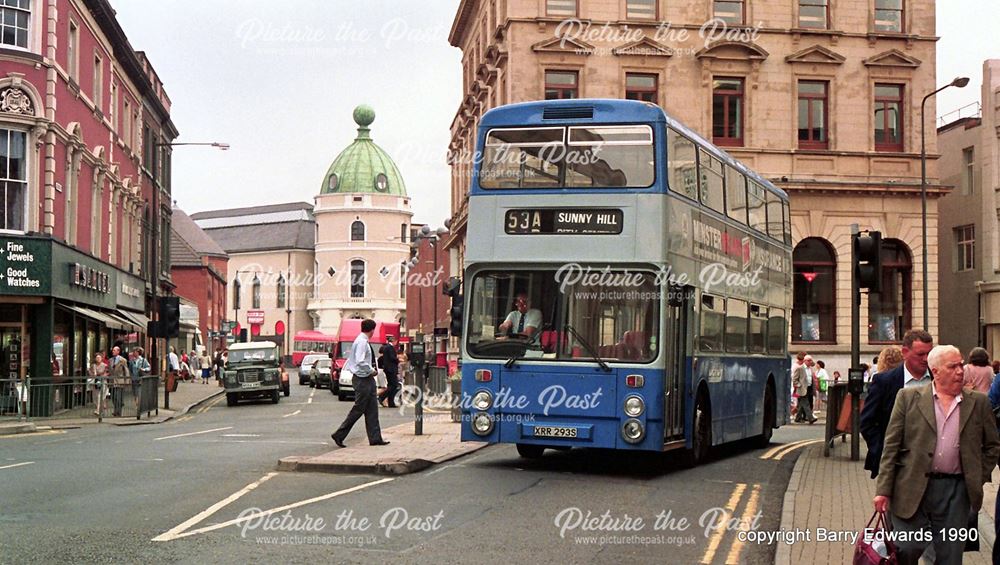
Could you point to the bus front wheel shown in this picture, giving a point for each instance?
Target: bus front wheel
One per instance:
(530, 451)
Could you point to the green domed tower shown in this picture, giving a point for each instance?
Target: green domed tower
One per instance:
(363, 166)
(363, 219)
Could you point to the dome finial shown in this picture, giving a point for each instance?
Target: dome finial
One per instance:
(364, 115)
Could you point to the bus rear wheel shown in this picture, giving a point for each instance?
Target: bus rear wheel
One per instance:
(701, 440)
(764, 439)
(530, 451)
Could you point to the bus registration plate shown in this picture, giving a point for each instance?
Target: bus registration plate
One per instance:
(554, 431)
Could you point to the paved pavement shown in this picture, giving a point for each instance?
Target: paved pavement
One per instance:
(188, 395)
(406, 453)
(836, 493)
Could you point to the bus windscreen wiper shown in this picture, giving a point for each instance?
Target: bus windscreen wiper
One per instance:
(590, 348)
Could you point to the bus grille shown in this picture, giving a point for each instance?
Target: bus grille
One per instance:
(568, 113)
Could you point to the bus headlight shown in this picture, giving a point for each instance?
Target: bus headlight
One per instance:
(634, 406)
(483, 400)
(482, 424)
(633, 431)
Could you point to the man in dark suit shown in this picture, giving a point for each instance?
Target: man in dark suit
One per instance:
(389, 362)
(940, 447)
(882, 393)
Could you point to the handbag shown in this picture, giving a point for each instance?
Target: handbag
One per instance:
(872, 551)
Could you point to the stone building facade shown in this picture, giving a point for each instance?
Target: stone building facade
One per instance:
(970, 253)
(822, 98)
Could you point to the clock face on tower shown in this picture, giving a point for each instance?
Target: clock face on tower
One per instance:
(381, 182)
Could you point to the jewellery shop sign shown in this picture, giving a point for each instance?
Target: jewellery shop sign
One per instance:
(25, 266)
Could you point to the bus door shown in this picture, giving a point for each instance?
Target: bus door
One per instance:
(676, 350)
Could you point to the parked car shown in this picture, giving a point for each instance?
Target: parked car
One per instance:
(321, 375)
(252, 371)
(307, 363)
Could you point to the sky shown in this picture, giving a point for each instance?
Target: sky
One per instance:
(280, 85)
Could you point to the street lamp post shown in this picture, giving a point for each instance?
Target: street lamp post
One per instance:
(960, 82)
(157, 256)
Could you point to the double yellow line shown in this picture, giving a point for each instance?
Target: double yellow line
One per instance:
(753, 500)
(779, 451)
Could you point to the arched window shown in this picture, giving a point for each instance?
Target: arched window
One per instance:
(814, 304)
(357, 279)
(357, 231)
(890, 312)
(281, 291)
(236, 293)
(256, 292)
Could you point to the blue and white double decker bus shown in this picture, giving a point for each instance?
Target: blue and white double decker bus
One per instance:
(627, 285)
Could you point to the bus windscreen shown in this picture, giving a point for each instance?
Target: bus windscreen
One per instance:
(574, 157)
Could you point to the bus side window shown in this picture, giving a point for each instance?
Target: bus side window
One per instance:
(682, 165)
(776, 334)
(756, 202)
(736, 326)
(736, 195)
(758, 328)
(711, 173)
(775, 219)
(713, 320)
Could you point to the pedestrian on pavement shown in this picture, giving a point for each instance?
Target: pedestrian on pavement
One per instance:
(882, 392)
(390, 364)
(206, 367)
(173, 362)
(98, 380)
(138, 368)
(978, 373)
(361, 364)
(888, 359)
(799, 357)
(120, 378)
(934, 493)
(994, 396)
(821, 382)
(801, 380)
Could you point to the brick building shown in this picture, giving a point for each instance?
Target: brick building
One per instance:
(199, 268)
(821, 98)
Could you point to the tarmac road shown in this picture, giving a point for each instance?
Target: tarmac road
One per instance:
(104, 494)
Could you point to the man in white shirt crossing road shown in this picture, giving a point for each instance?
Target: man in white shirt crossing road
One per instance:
(361, 364)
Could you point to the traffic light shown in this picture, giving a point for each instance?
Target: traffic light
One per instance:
(170, 316)
(453, 288)
(457, 311)
(868, 261)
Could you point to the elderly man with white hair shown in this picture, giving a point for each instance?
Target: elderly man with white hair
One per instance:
(940, 447)
(801, 379)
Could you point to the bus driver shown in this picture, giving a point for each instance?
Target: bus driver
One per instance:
(524, 320)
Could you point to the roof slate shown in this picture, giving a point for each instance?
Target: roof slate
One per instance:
(299, 234)
(235, 212)
(188, 242)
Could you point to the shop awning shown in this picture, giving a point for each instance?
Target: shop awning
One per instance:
(137, 319)
(107, 320)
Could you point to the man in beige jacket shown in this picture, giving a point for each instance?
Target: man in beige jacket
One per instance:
(940, 447)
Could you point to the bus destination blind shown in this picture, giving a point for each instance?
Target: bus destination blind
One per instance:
(564, 221)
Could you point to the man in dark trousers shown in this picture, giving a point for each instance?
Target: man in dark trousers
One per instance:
(361, 364)
(882, 393)
(390, 364)
(940, 447)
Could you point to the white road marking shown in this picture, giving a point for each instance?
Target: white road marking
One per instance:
(292, 414)
(177, 531)
(311, 394)
(194, 433)
(17, 465)
(240, 435)
(264, 513)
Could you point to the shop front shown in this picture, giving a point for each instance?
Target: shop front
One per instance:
(58, 309)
